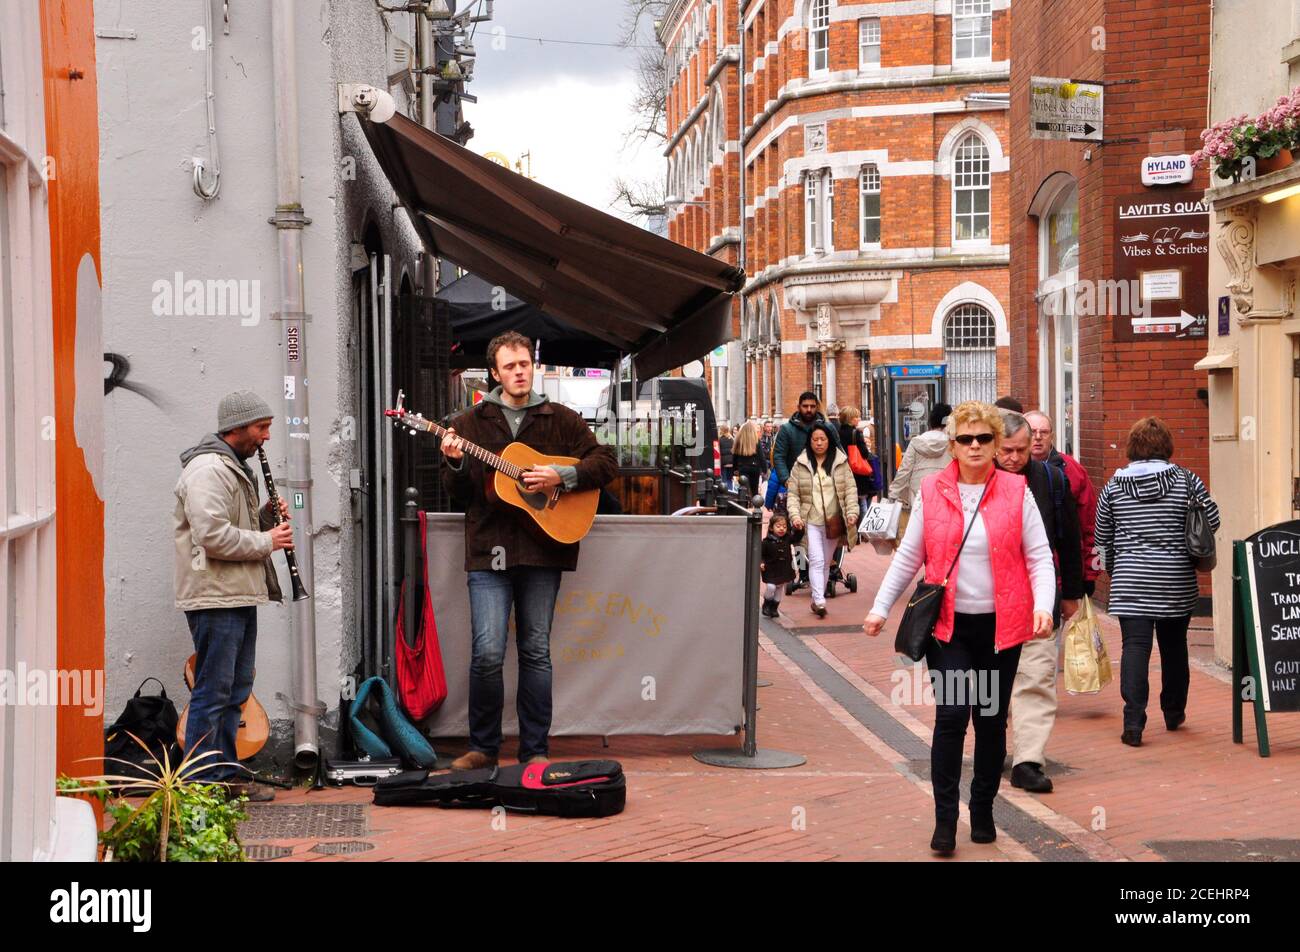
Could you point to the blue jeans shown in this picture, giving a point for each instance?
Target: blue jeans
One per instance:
(225, 641)
(531, 591)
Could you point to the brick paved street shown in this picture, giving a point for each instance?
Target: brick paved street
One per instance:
(864, 792)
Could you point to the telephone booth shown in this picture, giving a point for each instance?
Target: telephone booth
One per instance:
(902, 397)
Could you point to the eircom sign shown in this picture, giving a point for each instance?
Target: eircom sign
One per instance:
(1166, 169)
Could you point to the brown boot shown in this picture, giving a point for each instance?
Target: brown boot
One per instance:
(474, 760)
(537, 759)
(256, 792)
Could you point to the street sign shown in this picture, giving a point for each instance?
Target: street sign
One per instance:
(1065, 109)
(1266, 626)
(1161, 266)
(1167, 170)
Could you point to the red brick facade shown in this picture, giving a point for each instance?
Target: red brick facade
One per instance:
(1154, 59)
(904, 119)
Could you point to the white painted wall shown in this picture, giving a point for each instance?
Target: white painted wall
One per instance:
(152, 121)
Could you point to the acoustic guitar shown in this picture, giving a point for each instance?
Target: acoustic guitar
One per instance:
(254, 725)
(563, 516)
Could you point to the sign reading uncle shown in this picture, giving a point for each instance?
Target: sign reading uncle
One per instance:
(1273, 566)
(648, 633)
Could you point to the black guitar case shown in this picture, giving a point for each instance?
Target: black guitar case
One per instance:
(581, 788)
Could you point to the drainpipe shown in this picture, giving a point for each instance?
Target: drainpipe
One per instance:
(428, 58)
(289, 222)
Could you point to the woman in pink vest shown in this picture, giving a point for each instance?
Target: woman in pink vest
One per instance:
(997, 596)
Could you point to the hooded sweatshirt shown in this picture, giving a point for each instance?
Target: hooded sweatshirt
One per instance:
(926, 454)
(222, 548)
(1141, 527)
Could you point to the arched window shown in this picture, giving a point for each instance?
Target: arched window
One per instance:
(970, 348)
(869, 190)
(819, 36)
(971, 190)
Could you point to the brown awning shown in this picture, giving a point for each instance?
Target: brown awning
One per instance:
(653, 298)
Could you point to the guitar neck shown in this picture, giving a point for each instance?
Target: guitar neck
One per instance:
(473, 449)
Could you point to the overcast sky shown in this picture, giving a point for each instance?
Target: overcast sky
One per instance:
(567, 103)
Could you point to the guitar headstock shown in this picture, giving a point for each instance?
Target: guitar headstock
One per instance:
(404, 418)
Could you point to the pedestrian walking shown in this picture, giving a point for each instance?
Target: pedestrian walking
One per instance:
(725, 446)
(823, 498)
(851, 435)
(997, 595)
(1141, 528)
(1033, 693)
(747, 460)
(791, 440)
(777, 564)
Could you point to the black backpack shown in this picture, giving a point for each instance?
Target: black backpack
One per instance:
(152, 718)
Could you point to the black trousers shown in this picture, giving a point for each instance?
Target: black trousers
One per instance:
(1135, 666)
(969, 677)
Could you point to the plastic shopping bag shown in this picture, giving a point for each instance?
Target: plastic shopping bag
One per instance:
(1087, 666)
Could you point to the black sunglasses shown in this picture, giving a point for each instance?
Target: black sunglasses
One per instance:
(966, 439)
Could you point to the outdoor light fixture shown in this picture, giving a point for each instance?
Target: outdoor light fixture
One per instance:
(1279, 194)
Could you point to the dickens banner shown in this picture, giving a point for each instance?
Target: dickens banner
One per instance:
(648, 635)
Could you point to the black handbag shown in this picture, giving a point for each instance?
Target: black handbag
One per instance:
(1200, 538)
(922, 614)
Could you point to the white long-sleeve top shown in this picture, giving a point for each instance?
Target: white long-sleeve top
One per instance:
(974, 594)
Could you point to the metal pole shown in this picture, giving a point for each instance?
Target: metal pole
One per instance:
(412, 564)
(428, 118)
(389, 524)
(289, 221)
(375, 483)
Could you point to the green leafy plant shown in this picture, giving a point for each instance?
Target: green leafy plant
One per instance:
(178, 820)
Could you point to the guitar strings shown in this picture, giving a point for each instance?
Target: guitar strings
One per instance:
(492, 459)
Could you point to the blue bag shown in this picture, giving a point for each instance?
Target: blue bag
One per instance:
(380, 729)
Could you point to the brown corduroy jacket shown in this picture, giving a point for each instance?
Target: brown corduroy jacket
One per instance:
(497, 535)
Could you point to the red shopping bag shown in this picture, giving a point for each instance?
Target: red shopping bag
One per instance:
(421, 680)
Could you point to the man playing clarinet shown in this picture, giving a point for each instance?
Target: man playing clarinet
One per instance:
(223, 572)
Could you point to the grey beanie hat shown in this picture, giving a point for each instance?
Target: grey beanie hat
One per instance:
(241, 408)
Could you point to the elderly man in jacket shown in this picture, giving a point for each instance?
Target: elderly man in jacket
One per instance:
(223, 573)
(508, 561)
(1033, 693)
(1085, 494)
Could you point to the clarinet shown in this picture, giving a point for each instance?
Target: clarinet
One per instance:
(299, 590)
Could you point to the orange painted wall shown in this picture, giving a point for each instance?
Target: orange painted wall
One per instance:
(72, 139)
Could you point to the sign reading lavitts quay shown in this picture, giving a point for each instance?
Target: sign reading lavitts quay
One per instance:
(1160, 266)
(1065, 109)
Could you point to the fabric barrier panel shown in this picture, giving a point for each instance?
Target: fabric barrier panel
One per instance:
(648, 635)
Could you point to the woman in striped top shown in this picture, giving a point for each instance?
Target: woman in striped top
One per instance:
(1141, 518)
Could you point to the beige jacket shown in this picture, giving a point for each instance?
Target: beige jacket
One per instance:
(222, 553)
(926, 454)
(802, 490)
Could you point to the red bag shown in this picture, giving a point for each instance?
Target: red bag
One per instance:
(421, 680)
(858, 463)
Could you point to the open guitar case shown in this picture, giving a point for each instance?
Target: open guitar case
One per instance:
(580, 788)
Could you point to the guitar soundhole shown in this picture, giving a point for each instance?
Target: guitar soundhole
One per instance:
(536, 500)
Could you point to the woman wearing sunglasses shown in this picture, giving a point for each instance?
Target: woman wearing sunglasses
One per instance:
(997, 595)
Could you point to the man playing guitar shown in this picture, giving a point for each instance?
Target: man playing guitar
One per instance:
(510, 563)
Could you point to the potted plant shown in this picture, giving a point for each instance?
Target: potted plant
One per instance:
(1264, 140)
(178, 819)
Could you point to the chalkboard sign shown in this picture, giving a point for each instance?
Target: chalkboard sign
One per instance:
(1273, 566)
(1266, 626)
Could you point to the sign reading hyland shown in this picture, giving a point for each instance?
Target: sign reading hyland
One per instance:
(1064, 109)
(1167, 170)
(1162, 248)
(1266, 626)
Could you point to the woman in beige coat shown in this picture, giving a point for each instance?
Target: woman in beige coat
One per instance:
(823, 500)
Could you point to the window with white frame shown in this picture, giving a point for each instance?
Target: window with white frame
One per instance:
(971, 190)
(818, 211)
(28, 573)
(819, 36)
(868, 42)
(972, 30)
(869, 191)
(970, 351)
(815, 373)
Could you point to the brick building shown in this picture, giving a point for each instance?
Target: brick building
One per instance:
(1088, 344)
(873, 213)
